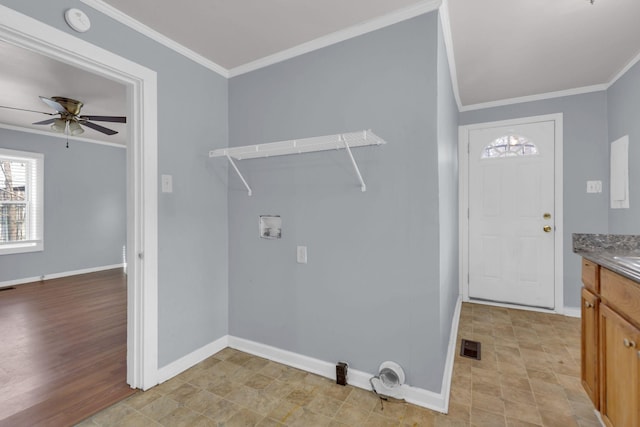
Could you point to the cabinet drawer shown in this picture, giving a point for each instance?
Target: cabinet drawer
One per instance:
(591, 276)
(621, 294)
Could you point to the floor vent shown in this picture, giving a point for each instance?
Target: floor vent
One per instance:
(470, 349)
(8, 288)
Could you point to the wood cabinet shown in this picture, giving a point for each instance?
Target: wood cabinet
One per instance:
(611, 344)
(589, 347)
(620, 370)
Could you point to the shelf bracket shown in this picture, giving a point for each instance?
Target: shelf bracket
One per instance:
(239, 174)
(363, 186)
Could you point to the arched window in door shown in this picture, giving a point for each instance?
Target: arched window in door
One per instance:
(509, 146)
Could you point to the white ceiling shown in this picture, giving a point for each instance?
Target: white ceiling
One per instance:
(514, 48)
(503, 49)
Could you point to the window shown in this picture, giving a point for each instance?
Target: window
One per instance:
(509, 146)
(21, 201)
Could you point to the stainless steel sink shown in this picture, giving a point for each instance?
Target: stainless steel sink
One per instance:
(631, 261)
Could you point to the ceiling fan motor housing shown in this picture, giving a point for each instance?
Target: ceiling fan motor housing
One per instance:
(72, 106)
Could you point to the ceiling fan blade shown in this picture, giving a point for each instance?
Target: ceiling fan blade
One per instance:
(113, 119)
(99, 128)
(24, 109)
(54, 104)
(45, 122)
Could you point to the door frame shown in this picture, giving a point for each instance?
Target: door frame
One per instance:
(463, 200)
(142, 203)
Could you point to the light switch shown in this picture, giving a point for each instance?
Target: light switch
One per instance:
(167, 184)
(594, 186)
(301, 254)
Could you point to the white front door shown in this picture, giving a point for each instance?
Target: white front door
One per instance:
(511, 214)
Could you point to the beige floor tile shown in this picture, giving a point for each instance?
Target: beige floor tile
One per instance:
(325, 405)
(362, 399)
(159, 408)
(142, 398)
(221, 410)
(136, 420)
(482, 418)
(269, 422)
(256, 363)
(352, 415)
(523, 412)
(391, 409)
(285, 412)
(201, 400)
(335, 391)
(243, 418)
(487, 402)
(309, 418)
(112, 415)
(376, 420)
(180, 417)
(258, 381)
(528, 376)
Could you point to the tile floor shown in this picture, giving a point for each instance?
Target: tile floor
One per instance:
(528, 376)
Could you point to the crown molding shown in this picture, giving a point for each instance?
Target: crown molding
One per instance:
(624, 70)
(138, 26)
(404, 14)
(538, 97)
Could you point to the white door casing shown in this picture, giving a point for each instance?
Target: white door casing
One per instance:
(142, 206)
(506, 257)
(510, 207)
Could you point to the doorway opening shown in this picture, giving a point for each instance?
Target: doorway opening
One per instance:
(28, 33)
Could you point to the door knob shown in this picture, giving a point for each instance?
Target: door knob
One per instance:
(547, 228)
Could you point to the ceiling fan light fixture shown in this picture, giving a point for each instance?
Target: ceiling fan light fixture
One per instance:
(59, 125)
(75, 128)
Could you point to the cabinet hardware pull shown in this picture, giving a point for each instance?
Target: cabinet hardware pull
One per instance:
(628, 343)
(588, 304)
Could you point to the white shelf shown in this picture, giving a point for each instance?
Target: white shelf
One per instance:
(300, 146)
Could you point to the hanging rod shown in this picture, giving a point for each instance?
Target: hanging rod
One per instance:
(340, 141)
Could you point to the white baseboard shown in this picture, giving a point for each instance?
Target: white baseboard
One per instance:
(58, 275)
(360, 379)
(572, 312)
(175, 368)
(451, 356)
(415, 395)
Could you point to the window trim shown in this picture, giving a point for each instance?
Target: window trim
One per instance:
(35, 195)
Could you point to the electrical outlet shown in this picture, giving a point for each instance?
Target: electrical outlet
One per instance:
(594, 186)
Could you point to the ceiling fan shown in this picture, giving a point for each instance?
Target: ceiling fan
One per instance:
(70, 118)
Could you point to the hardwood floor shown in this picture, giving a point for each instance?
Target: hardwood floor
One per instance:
(62, 349)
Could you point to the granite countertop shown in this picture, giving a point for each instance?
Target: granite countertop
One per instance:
(607, 249)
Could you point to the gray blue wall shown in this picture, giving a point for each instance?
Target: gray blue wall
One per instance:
(371, 289)
(623, 103)
(192, 230)
(585, 158)
(84, 206)
(447, 111)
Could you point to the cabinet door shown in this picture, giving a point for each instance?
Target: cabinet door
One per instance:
(619, 370)
(589, 345)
